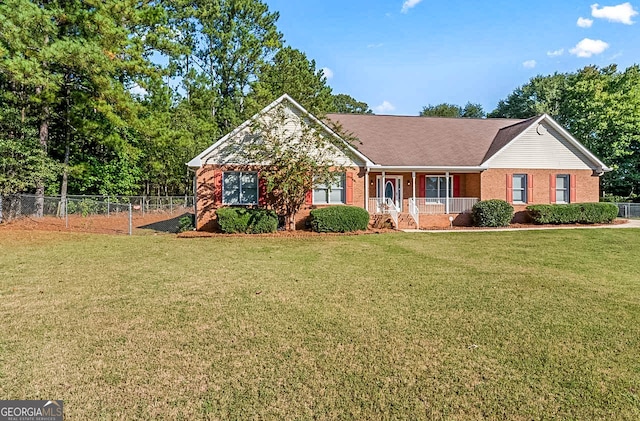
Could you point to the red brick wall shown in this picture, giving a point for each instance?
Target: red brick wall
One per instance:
(442, 221)
(208, 190)
(494, 186)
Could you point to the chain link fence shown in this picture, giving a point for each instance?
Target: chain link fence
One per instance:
(101, 214)
(628, 210)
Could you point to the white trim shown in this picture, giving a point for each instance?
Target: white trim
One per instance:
(197, 161)
(525, 189)
(240, 190)
(366, 189)
(448, 181)
(567, 188)
(430, 168)
(380, 188)
(564, 133)
(329, 189)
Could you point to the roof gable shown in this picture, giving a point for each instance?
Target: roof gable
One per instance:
(540, 143)
(228, 149)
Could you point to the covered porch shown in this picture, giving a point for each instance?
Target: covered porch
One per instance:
(422, 193)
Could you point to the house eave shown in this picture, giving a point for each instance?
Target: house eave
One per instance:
(429, 168)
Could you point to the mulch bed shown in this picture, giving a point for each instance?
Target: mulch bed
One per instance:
(307, 233)
(101, 224)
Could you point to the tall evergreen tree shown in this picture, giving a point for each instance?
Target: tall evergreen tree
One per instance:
(229, 41)
(346, 104)
(292, 73)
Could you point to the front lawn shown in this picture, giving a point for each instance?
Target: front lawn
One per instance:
(505, 325)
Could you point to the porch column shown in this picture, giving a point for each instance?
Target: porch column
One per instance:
(413, 185)
(384, 175)
(446, 206)
(366, 190)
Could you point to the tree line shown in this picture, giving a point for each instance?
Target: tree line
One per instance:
(598, 106)
(114, 96)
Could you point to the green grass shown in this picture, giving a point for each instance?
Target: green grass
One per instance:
(505, 325)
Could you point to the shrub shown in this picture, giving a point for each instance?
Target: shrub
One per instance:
(85, 207)
(492, 213)
(243, 220)
(339, 219)
(186, 223)
(262, 221)
(574, 213)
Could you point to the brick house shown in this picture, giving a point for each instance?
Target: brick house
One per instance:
(417, 171)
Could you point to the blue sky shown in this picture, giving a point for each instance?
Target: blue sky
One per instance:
(400, 55)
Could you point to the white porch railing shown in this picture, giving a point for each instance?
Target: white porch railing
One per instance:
(433, 206)
(380, 205)
(414, 211)
(425, 206)
(392, 210)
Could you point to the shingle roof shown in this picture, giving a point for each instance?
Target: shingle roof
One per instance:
(429, 141)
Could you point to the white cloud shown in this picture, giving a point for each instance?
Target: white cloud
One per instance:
(555, 53)
(589, 47)
(529, 64)
(385, 107)
(138, 90)
(328, 73)
(584, 22)
(621, 13)
(375, 45)
(409, 4)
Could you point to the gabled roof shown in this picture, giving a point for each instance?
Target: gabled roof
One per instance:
(422, 141)
(511, 134)
(507, 134)
(402, 141)
(197, 161)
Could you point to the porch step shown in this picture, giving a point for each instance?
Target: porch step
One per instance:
(405, 221)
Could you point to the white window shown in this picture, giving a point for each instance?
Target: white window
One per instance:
(519, 188)
(437, 187)
(240, 188)
(333, 193)
(562, 188)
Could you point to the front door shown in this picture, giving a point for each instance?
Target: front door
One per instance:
(391, 188)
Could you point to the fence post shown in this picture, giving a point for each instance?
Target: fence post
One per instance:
(0, 209)
(107, 206)
(130, 220)
(66, 213)
(170, 206)
(142, 205)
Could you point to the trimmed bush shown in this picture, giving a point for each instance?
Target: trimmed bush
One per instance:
(574, 213)
(339, 219)
(249, 221)
(492, 213)
(263, 221)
